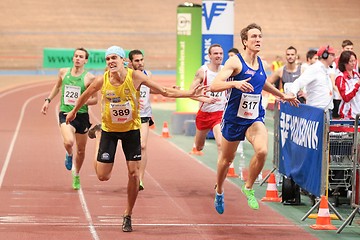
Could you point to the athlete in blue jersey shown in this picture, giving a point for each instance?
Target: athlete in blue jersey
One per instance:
(244, 77)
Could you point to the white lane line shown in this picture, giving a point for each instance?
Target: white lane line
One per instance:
(86, 211)
(83, 203)
(219, 225)
(17, 89)
(11, 148)
(12, 144)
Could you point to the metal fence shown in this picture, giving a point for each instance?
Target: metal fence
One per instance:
(340, 166)
(353, 130)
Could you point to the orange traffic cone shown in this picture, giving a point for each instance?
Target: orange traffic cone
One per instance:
(271, 194)
(231, 172)
(323, 221)
(154, 98)
(165, 131)
(196, 152)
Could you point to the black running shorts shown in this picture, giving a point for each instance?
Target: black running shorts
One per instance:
(130, 142)
(147, 119)
(81, 123)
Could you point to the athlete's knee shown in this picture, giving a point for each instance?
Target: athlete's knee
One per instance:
(101, 174)
(218, 145)
(261, 153)
(81, 152)
(228, 156)
(103, 177)
(133, 174)
(68, 144)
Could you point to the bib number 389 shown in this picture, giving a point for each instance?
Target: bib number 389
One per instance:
(120, 112)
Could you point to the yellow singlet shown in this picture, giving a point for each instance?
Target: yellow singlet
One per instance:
(120, 105)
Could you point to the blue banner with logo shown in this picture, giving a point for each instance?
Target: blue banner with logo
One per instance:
(217, 26)
(301, 133)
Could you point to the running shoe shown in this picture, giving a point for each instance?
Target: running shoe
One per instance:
(126, 226)
(76, 182)
(219, 203)
(250, 195)
(68, 161)
(92, 131)
(141, 186)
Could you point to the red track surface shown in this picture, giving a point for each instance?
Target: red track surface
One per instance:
(37, 201)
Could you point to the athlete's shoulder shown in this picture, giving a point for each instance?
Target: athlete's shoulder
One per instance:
(148, 73)
(63, 72)
(89, 78)
(89, 75)
(65, 69)
(235, 64)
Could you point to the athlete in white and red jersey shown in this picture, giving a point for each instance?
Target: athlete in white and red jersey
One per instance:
(346, 45)
(211, 109)
(348, 83)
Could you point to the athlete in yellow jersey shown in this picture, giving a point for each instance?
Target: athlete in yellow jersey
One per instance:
(120, 105)
(121, 120)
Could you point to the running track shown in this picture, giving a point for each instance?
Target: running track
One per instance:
(37, 201)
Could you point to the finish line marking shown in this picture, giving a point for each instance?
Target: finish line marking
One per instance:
(31, 220)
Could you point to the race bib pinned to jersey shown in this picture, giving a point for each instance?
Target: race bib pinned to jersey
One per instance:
(249, 106)
(71, 94)
(121, 112)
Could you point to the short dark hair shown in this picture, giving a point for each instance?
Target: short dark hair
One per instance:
(291, 48)
(212, 46)
(346, 42)
(344, 59)
(310, 54)
(233, 50)
(134, 52)
(244, 32)
(84, 50)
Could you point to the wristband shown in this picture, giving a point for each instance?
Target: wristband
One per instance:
(48, 99)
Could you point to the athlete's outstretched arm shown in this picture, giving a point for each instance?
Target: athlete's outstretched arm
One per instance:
(90, 91)
(140, 78)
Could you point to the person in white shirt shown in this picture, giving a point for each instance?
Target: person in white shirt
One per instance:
(317, 80)
(348, 83)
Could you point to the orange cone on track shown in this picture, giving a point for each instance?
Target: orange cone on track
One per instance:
(323, 221)
(196, 152)
(165, 131)
(154, 98)
(271, 194)
(231, 172)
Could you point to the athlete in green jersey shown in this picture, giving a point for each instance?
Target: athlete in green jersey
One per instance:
(73, 82)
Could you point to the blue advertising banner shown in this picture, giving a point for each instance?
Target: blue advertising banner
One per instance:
(217, 26)
(301, 145)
